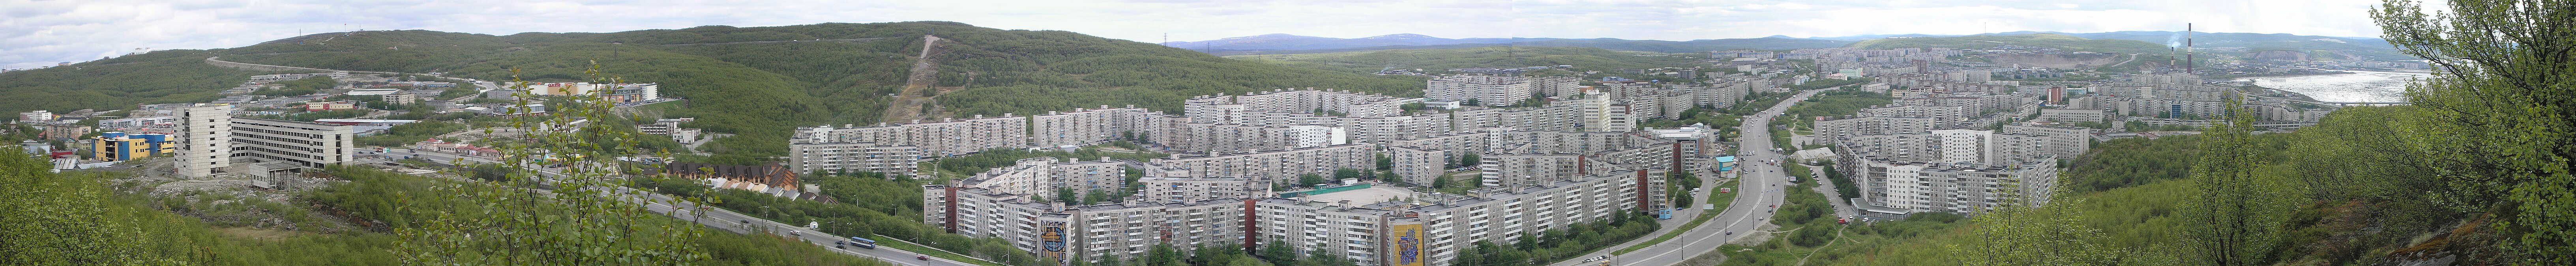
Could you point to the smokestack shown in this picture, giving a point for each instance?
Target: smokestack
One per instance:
(2187, 64)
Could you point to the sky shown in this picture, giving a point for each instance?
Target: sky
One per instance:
(36, 33)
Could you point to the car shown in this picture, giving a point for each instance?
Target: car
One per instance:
(843, 242)
(746, 221)
(1730, 232)
(921, 257)
(841, 246)
(795, 233)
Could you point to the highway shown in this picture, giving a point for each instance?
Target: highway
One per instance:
(1762, 183)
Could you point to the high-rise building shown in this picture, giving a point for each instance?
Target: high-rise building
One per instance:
(205, 136)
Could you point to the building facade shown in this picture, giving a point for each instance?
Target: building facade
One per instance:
(309, 145)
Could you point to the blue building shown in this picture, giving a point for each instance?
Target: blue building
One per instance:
(1726, 163)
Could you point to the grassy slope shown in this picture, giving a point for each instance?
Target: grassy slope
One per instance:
(2034, 40)
(121, 83)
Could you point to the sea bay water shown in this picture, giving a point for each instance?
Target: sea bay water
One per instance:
(2360, 86)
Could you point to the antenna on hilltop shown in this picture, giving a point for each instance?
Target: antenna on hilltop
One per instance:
(1167, 37)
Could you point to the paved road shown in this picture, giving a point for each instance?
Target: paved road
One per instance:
(1833, 194)
(1761, 183)
(728, 220)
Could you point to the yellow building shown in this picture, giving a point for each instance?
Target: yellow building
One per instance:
(119, 146)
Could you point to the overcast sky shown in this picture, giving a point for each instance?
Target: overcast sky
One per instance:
(41, 32)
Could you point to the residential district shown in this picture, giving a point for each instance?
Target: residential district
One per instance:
(1534, 150)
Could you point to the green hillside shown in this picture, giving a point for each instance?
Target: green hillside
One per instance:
(159, 77)
(1583, 59)
(758, 82)
(2042, 40)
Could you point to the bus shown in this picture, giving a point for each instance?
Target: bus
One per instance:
(863, 242)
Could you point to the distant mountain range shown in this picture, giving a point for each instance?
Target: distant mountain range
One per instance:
(1297, 44)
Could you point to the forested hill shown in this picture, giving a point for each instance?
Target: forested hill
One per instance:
(756, 81)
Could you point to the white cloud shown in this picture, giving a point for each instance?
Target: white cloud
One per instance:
(39, 32)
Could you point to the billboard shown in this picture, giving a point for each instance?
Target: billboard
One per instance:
(1408, 245)
(1051, 243)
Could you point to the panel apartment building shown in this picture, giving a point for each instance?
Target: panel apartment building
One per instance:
(1484, 90)
(882, 147)
(1429, 230)
(1901, 187)
(1956, 170)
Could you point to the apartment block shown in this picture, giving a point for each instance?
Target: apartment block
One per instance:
(1502, 214)
(855, 157)
(1200, 188)
(1317, 136)
(1937, 113)
(1287, 102)
(1065, 233)
(1223, 138)
(2074, 115)
(1270, 165)
(1483, 90)
(1556, 86)
(1046, 175)
(1901, 187)
(1422, 161)
(1674, 103)
(1871, 125)
(1088, 126)
(310, 145)
(2065, 142)
(948, 137)
(1551, 118)
(1373, 226)
(1718, 94)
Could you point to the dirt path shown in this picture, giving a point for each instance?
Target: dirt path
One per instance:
(915, 98)
(1838, 237)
